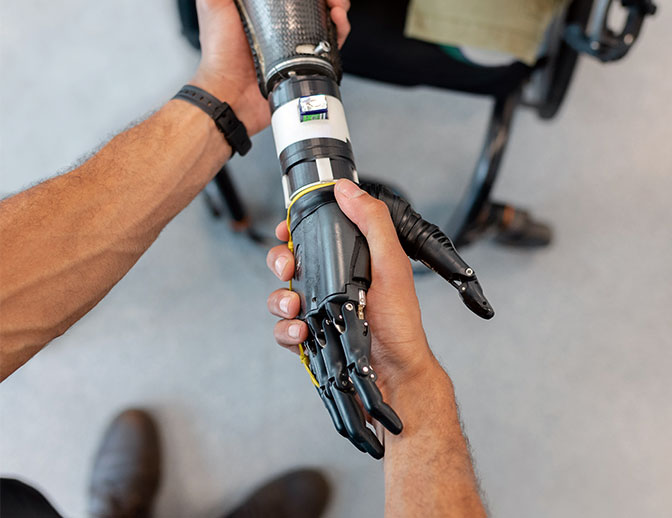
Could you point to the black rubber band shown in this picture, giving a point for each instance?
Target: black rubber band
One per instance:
(226, 121)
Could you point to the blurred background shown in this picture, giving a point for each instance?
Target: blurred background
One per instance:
(565, 395)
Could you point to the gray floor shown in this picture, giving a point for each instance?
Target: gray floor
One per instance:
(565, 395)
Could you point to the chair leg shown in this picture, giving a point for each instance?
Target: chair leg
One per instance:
(221, 194)
(487, 168)
(189, 21)
(477, 216)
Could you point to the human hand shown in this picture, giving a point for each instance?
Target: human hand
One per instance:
(227, 69)
(399, 352)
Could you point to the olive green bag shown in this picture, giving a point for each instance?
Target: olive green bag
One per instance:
(515, 27)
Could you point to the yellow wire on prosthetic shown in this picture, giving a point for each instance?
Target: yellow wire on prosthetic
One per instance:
(302, 354)
(306, 363)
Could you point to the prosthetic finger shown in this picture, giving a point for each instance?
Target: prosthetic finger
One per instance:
(344, 395)
(425, 242)
(356, 341)
(319, 371)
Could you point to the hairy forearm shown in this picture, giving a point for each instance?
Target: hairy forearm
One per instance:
(67, 241)
(428, 468)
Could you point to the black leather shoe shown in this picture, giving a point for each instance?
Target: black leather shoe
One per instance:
(298, 494)
(126, 471)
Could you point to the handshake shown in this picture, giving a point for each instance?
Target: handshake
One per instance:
(351, 284)
(344, 351)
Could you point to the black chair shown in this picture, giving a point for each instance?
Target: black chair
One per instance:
(377, 30)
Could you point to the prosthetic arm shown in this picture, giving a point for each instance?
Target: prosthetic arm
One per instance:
(294, 47)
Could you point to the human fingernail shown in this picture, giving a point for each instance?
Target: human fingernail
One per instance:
(280, 264)
(294, 330)
(348, 189)
(284, 304)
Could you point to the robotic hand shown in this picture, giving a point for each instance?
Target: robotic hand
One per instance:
(297, 62)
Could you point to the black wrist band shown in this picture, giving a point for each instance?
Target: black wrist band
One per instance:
(226, 121)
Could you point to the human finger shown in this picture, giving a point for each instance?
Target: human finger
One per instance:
(290, 332)
(340, 19)
(284, 303)
(280, 261)
(281, 231)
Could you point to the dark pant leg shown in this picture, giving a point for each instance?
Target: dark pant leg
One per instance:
(19, 500)
(377, 49)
